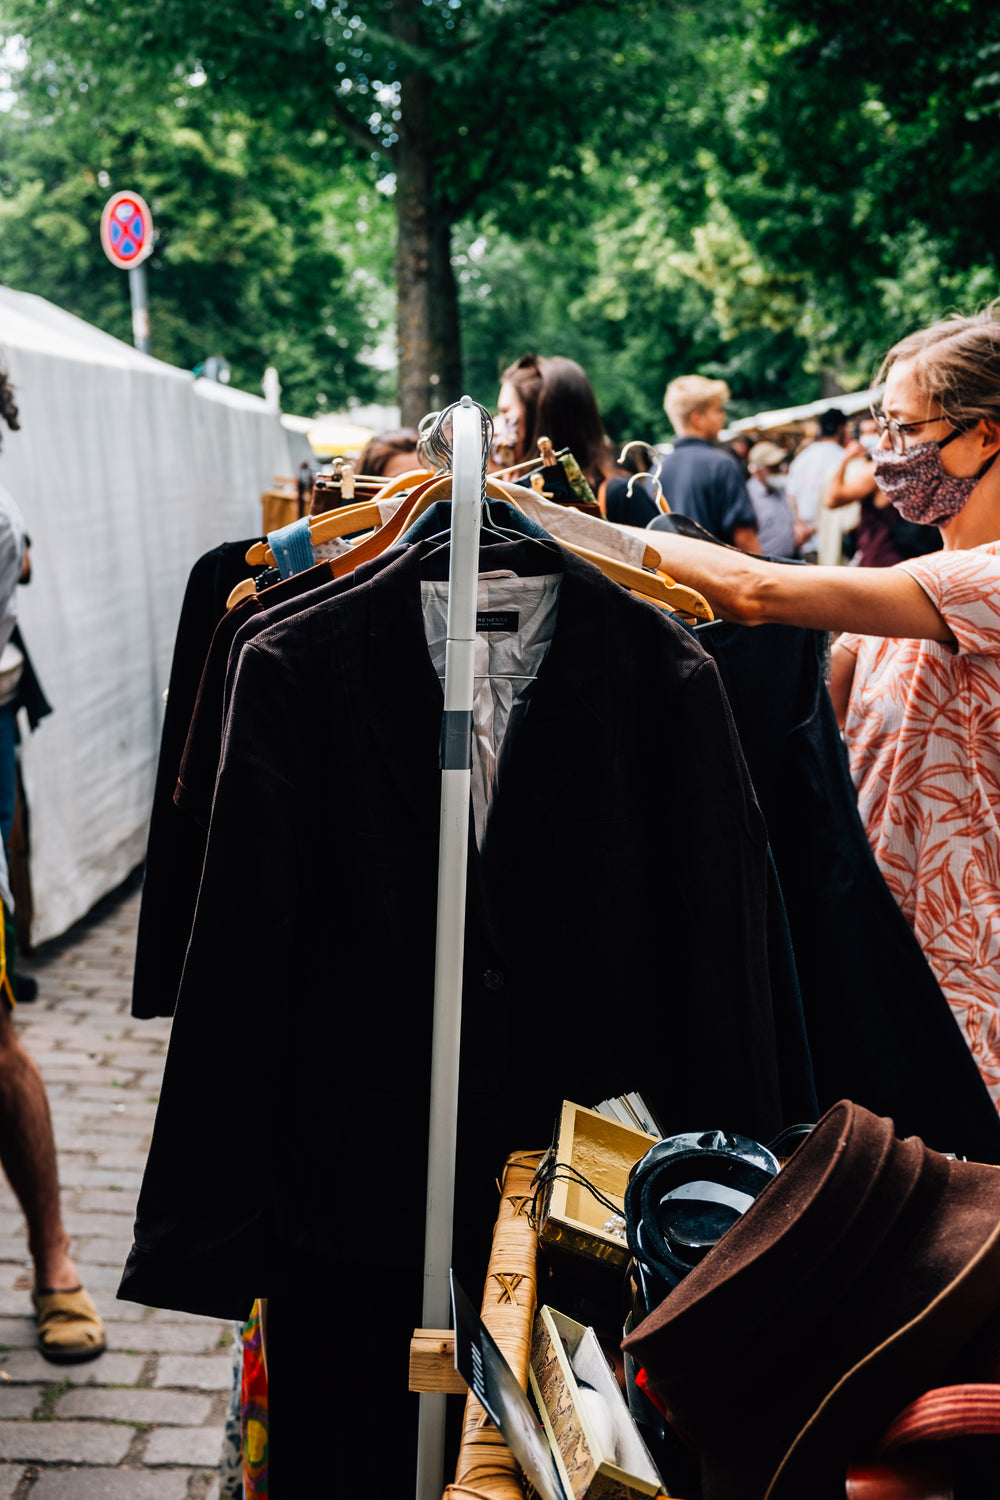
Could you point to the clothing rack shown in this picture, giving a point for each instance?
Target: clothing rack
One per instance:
(468, 481)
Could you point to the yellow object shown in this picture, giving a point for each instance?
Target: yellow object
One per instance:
(333, 437)
(69, 1326)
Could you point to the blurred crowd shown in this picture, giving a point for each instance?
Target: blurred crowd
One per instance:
(805, 491)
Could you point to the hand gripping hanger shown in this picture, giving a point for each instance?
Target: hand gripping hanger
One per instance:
(468, 465)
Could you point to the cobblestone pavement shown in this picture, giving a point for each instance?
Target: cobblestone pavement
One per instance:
(145, 1420)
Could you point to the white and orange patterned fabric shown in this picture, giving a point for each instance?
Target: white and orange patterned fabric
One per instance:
(923, 735)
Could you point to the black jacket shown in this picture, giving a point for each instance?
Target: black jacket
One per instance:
(615, 936)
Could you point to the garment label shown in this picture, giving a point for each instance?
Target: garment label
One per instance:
(497, 619)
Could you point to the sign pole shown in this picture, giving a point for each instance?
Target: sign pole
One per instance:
(127, 240)
(140, 309)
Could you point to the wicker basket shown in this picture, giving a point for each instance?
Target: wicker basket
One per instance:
(486, 1468)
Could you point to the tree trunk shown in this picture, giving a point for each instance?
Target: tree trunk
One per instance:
(427, 322)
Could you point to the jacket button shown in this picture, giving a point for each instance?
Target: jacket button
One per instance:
(493, 979)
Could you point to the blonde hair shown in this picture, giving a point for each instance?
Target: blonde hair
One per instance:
(691, 393)
(956, 362)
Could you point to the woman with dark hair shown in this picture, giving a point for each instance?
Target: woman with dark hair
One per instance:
(391, 453)
(552, 397)
(916, 675)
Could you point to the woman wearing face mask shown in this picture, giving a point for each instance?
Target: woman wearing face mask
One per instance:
(552, 397)
(916, 675)
(883, 537)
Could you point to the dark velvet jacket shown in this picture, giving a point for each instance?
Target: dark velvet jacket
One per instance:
(615, 937)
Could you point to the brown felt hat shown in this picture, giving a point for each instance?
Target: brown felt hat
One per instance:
(845, 1291)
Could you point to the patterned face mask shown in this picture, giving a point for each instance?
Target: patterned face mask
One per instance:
(918, 484)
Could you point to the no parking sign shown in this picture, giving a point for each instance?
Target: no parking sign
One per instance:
(126, 230)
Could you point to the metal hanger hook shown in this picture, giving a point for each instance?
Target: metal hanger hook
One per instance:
(658, 497)
(434, 444)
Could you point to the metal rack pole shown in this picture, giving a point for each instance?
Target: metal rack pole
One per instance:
(456, 781)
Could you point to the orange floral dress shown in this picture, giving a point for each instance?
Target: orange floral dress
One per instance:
(923, 736)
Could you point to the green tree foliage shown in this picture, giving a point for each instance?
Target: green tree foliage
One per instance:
(768, 191)
(464, 102)
(860, 157)
(257, 258)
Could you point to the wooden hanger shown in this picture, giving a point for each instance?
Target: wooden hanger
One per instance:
(655, 586)
(346, 519)
(658, 587)
(405, 482)
(414, 506)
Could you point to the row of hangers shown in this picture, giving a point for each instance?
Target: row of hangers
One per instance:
(424, 489)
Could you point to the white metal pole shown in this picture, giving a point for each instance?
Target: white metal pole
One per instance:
(456, 783)
(140, 309)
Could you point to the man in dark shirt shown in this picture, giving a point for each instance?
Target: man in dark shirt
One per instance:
(699, 479)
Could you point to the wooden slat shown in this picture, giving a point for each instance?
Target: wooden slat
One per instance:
(432, 1362)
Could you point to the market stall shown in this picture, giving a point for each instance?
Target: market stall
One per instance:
(125, 468)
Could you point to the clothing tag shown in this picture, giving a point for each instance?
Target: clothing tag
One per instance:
(497, 619)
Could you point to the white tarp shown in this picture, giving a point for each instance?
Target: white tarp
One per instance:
(127, 470)
(851, 404)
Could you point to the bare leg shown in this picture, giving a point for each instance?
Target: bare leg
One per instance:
(28, 1155)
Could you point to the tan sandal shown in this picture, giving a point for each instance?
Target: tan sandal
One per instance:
(69, 1326)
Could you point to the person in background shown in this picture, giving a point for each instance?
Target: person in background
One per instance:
(700, 479)
(883, 537)
(739, 446)
(915, 678)
(776, 525)
(391, 453)
(810, 472)
(69, 1326)
(552, 397)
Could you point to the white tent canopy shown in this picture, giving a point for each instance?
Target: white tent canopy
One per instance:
(127, 470)
(851, 404)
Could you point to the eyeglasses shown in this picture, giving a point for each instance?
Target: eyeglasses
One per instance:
(899, 431)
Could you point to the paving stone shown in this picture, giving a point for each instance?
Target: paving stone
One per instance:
(90, 1080)
(179, 1445)
(104, 1200)
(10, 1478)
(17, 1333)
(123, 1312)
(76, 1136)
(210, 1372)
(107, 1028)
(110, 1484)
(103, 1072)
(171, 1407)
(99, 1278)
(128, 1047)
(110, 1093)
(112, 1225)
(112, 1104)
(170, 1315)
(123, 1158)
(65, 1442)
(110, 1368)
(19, 1400)
(49, 1056)
(165, 1338)
(102, 1252)
(99, 1177)
(13, 1301)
